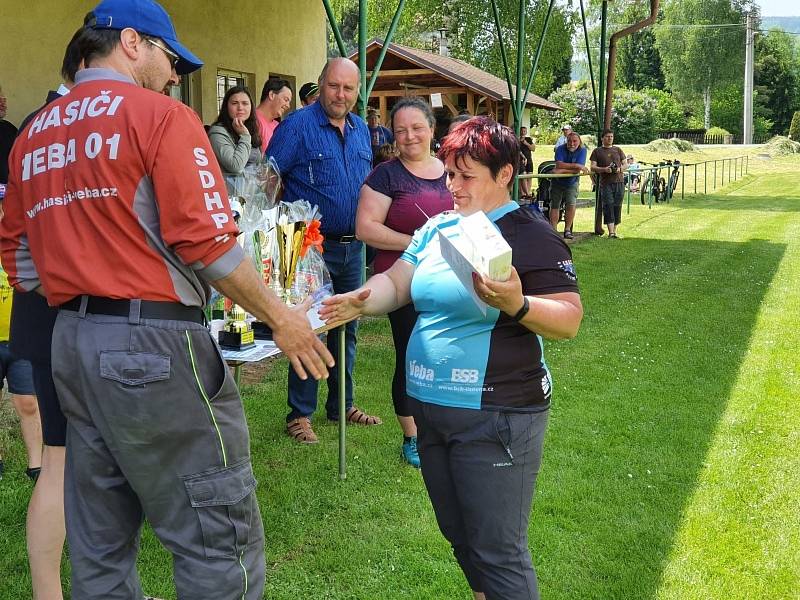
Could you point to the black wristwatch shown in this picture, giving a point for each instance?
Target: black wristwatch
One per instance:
(526, 306)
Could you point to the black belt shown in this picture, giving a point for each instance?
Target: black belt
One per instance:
(342, 239)
(150, 309)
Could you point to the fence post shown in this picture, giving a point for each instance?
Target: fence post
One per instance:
(683, 178)
(729, 170)
(715, 174)
(705, 177)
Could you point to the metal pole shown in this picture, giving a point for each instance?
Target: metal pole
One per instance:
(729, 170)
(342, 403)
(748, 82)
(598, 212)
(535, 67)
(705, 177)
(389, 35)
(513, 102)
(715, 173)
(695, 178)
(683, 180)
(362, 56)
(337, 35)
(589, 60)
(518, 99)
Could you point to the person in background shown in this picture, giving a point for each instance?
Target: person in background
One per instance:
(276, 98)
(8, 133)
(610, 163)
(385, 152)
(570, 158)
(130, 272)
(396, 199)
(32, 322)
(527, 148)
(378, 134)
(324, 156)
(309, 92)
(632, 174)
(235, 135)
(457, 120)
(18, 373)
(479, 380)
(562, 139)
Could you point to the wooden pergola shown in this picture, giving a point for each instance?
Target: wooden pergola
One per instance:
(413, 72)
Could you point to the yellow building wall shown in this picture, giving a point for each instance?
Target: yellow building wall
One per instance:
(258, 37)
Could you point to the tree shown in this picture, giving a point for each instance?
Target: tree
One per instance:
(701, 47)
(472, 35)
(638, 61)
(794, 128)
(776, 81)
(669, 113)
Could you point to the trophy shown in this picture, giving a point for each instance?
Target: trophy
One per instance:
(237, 333)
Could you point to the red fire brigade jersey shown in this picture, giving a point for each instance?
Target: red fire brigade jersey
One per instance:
(114, 191)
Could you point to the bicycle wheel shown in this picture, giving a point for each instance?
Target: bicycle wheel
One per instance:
(673, 183)
(644, 189)
(661, 190)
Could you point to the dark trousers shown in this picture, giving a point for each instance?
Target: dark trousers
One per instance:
(611, 195)
(480, 470)
(344, 264)
(402, 321)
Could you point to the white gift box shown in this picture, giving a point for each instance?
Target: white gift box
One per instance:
(478, 247)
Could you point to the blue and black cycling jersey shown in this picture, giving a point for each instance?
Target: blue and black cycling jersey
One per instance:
(459, 357)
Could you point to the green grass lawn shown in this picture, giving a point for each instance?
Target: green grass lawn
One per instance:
(671, 467)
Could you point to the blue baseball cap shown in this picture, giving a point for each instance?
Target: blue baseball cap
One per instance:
(149, 18)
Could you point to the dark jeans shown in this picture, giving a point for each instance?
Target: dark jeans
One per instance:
(611, 195)
(344, 263)
(480, 470)
(402, 321)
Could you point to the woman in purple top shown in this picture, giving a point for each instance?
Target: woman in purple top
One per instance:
(396, 199)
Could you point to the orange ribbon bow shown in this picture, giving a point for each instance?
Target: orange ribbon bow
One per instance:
(313, 237)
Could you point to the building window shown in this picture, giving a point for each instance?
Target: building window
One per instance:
(226, 79)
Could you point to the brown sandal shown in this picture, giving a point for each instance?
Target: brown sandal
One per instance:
(300, 429)
(359, 417)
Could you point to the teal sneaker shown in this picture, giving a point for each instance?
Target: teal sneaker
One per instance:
(409, 451)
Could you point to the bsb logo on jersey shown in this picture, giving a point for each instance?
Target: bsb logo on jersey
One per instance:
(419, 371)
(464, 376)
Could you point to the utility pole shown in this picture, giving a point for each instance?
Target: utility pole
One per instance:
(748, 81)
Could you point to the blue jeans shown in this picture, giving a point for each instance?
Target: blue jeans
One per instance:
(344, 264)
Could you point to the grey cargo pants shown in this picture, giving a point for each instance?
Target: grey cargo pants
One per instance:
(156, 430)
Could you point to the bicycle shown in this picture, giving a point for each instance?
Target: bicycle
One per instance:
(655, 185)
(672, 183)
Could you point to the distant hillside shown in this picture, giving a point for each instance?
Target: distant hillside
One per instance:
(790, 24)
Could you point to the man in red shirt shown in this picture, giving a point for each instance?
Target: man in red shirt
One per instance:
(116, 212)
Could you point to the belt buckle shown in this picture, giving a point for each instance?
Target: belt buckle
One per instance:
(347, 239)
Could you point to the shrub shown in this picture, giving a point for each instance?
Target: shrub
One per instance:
(781, 146)
(717, 131)
(670, 146)
(794, 128)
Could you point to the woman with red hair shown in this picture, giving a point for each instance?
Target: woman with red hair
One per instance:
(475, 364)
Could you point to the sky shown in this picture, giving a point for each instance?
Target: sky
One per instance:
(779, 8)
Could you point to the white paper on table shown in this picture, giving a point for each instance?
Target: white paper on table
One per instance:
(259, 351)
(462, 267)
